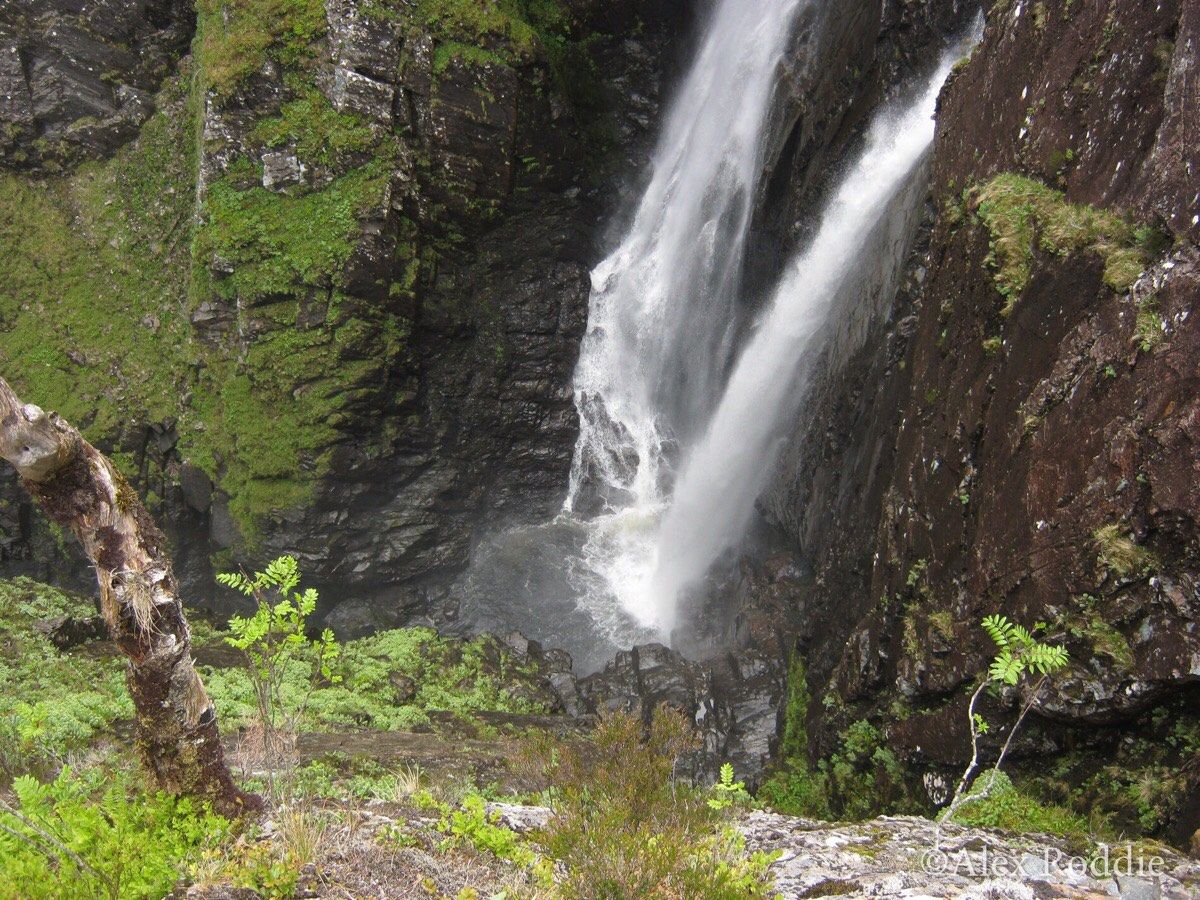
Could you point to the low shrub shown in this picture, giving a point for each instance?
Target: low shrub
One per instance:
(624, 827)
(90, 834)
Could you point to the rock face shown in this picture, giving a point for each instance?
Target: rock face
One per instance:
(386, 288)
(899, 857)
(77, 80)
(1021, 435)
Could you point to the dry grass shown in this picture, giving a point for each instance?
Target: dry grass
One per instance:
(1024, 216)
(1120, 555)
(300, 831)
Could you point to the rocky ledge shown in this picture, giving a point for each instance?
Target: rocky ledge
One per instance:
(903, 856)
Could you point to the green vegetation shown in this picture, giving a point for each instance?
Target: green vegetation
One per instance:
(282, 245)
(1024, 216)
(625, 829)
(273, 638)
(502, 32)
(106, 266)
(234, 38)
(1135, 786)
(1085, 621)
(994, 802)
(92, 273)
(1019, 654)
(313, 129)
(1148, 328)
(472, 824)
(863, 778)
(90, 834)
(511, 32)
(392, 680)
(92, 826)
(1120, 555)
(51, 705)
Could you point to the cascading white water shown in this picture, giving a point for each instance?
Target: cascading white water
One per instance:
(651, 386)
(663, 308)
(725, 472)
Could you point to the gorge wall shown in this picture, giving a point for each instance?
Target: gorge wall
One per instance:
(1021, 435)
(329, 298)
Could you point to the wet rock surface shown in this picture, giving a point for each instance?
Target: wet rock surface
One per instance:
(732, 702)
(77, 80)
(968, 461)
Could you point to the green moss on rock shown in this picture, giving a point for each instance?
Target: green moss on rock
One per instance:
(92, 278)
(1024, 216)
(234, 38)
(277, 244)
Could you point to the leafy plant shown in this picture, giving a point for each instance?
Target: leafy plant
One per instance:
(1019, 654)
(728, 792)
(275, 636)
(87, 835)
(1005, 807)
(51, 703)
(473, 824)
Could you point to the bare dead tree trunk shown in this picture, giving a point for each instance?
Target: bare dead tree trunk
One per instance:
(78, 488)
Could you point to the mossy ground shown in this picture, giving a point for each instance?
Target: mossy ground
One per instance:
(445, 675)
(112, 838)
(236, 37)
(54, 703)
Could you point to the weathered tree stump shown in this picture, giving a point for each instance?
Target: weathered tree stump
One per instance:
(78, 488)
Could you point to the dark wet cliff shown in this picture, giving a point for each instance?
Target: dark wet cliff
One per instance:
(1021, 436)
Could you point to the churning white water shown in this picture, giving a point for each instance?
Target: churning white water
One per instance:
(663, 309)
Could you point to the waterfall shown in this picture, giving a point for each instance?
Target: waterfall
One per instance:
(663, 309)
(678, 431)
(857, 249)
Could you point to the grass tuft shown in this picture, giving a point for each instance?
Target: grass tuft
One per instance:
(1024, 216)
